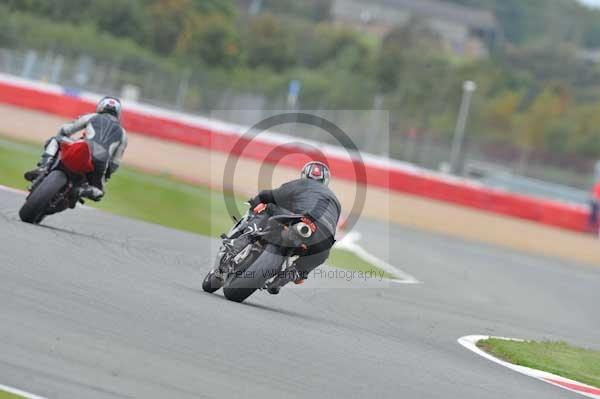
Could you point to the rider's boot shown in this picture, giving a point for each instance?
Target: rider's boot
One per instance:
(91, 192)
(288, 275)
(42, 167)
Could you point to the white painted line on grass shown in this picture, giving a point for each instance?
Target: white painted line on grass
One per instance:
(470, 342)
(18, 392)
(349, 242)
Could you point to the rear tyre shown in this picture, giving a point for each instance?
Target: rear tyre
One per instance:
(36, 204)
(212, 283)
(266, 266)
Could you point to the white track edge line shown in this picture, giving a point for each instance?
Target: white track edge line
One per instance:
(23, 192)
(470, 342)
(15, 391)
(349, 242)
(12, 190)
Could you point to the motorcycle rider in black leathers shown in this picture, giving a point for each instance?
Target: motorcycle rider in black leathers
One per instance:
(103, 128)
(309, 196)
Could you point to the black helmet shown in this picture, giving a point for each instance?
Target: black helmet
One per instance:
(316, 171)
(109, 105)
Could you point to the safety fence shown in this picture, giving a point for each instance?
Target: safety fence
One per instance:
(273, 148)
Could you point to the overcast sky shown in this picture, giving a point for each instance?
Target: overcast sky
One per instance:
(593, 3)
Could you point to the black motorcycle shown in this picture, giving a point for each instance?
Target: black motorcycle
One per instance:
(256, 250)
(59, 187)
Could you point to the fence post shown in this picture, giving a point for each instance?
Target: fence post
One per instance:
(29, 64)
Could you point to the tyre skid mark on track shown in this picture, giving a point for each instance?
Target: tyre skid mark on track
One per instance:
(470, 342)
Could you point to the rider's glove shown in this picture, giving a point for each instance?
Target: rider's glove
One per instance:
(260, 208)
(254, 201)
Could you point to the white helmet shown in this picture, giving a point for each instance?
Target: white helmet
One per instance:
(109, 105)
(318, 171)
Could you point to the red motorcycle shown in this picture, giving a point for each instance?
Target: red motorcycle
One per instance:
(59, 187)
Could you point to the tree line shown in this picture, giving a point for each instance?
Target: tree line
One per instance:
(535, 91)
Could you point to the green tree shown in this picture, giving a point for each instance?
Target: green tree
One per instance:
(403, 48)
(61, 10)
(121, 18)
(547, 108)
(500, 112)
(268, 43)
(167, 19)
(584, 137)
(315, 10)
(211, 38)
(222, 7)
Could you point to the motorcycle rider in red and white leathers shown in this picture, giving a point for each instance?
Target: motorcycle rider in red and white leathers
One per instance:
(103, 128)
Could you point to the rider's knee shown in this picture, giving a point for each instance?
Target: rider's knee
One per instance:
(51, 146)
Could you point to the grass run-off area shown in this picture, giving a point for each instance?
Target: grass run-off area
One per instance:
(6, 395)
(156, 199)
(558, 358)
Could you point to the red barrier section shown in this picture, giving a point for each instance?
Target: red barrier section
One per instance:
(453, 191)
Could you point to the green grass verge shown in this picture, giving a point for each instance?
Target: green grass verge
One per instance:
(558, 358)
(344, 259)
(152, 198)
(15, 159)
(6, 395)
(156, 199)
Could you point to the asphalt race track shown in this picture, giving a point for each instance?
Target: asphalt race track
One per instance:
(97, 306)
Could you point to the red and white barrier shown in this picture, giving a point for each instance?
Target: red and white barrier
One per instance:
(222, 137)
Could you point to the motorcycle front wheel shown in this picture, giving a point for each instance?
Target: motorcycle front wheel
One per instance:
(240, 286)
(38, 201)
(211, 282)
